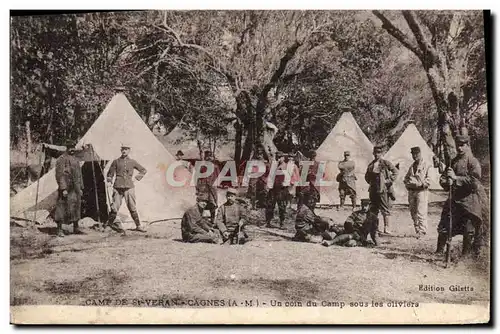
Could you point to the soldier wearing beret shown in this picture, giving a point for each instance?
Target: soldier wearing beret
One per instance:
(70, 189)
(380, 175)
(124, 188)
(417, 183)
(468, 199)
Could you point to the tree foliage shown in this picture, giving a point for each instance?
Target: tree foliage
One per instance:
(213, 70)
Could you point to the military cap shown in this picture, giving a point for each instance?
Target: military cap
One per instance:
(378, 149)
(125, 145)
(70, 144)
(415, 149)
(347, 153)
(365, 201)
(201, 197)
(179, 153)
(462, 139)
(231, 191)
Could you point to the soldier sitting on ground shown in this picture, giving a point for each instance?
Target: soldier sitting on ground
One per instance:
(194, 226)
(307, 223)
(356, 229)
(230, 220)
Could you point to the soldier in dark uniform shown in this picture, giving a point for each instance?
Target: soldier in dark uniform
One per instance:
(195, 227)
(380, 175)
(467, 200)
(206, 186)
(347, 180)
(124, 188)
(257, 191)
(311, 190)
(230, 220)
(356, 228)
(307, 223)
(277, 194)
(70, 189)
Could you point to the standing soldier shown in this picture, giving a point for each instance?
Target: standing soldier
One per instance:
(124, 187)
(417, 182)
(257, 191)
(467, 199)
(347, 180)
(206, 186)
(311, 190)
(380, 175)
(194, 227)
(277, 194)
(231, 220)
(70, 190)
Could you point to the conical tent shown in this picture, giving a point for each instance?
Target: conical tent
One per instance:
(400, 154)
(119, 123)
(345, 136)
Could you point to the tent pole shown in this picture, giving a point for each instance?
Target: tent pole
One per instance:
(95, 188)
(38, 183)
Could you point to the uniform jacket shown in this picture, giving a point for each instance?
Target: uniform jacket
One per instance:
(467, 190)
(193, 223)
(229, 216)
(69, 174)
(124, 170)
(381, 182)
(346, 176)
(417, 179)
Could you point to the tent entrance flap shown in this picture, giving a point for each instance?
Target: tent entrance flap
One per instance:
(94, 203)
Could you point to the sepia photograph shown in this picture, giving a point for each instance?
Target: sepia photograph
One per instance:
(250, 167)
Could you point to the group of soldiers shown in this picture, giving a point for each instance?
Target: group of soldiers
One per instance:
(205, 222)
(70, 190)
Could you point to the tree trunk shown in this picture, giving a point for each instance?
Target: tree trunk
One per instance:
(28, 139)
(237, 143)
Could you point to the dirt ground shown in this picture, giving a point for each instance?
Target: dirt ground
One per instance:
(79, 268)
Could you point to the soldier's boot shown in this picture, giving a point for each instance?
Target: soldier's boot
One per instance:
(373, 235)
(111, 223)
(476, 245)
(467, 244)
(387, 225)
(441, 243)
(76, 228)
(282, 223)
(353, 199)
(137, 221)
(60, 232)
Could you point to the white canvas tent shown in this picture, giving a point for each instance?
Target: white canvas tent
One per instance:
(345, 136)
(119, 123)
(400, 154)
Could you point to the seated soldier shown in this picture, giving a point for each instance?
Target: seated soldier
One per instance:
(194, 226)
(307, 223)
(230, 220)
(356, 228)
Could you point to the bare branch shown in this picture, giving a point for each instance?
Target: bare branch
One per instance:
(398, 34)
(422, 41)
